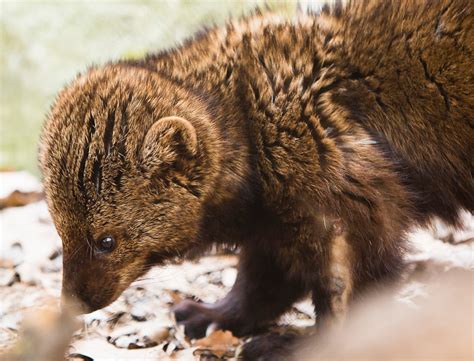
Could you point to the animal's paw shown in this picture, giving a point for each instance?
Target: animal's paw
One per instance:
(269, 347)
(196, 318)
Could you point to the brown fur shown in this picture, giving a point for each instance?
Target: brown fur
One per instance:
(353, 123)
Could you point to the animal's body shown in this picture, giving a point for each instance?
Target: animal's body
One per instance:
(314, 145)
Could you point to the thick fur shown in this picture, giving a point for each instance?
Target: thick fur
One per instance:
(314, 145)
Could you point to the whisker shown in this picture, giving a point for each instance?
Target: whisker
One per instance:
(76, 250)
(89, 244)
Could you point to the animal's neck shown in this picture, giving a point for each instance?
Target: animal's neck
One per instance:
(230, 187)
(231, 150)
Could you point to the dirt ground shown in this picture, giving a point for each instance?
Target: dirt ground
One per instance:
(139, 325)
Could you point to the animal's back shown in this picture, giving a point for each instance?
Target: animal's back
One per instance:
(410, 81)
(397, 74)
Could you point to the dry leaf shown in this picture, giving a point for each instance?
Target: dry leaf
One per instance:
(142, 335)
(219, 343)
(8, 277)
(78, 357)
(176, 297)
(18, 199)
(156, 333)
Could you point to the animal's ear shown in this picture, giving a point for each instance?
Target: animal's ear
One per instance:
(170, 142)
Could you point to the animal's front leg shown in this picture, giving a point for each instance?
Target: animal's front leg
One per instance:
(332, 290)
(332, 283)
(260, 294)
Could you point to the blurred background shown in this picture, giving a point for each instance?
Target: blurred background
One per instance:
(45, 43)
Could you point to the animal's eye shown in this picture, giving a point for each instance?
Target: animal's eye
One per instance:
(106, 244)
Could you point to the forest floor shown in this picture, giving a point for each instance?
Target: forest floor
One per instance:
(139, 324)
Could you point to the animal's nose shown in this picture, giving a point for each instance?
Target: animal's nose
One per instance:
(74, 302)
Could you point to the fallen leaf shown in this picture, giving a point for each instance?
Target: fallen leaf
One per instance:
(98, 348)
(7, 338)
(138, 336)
(78, 356)
(8, 277)
(139, 313)
(13, 254)
(219, 343)
(176, 297)
(180, 336)
(155, 332)
(170, 347)
(18, 199)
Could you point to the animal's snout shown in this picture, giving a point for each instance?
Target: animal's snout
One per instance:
(70, 302)
(77, 293)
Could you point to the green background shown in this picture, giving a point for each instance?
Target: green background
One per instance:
(45, 43)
